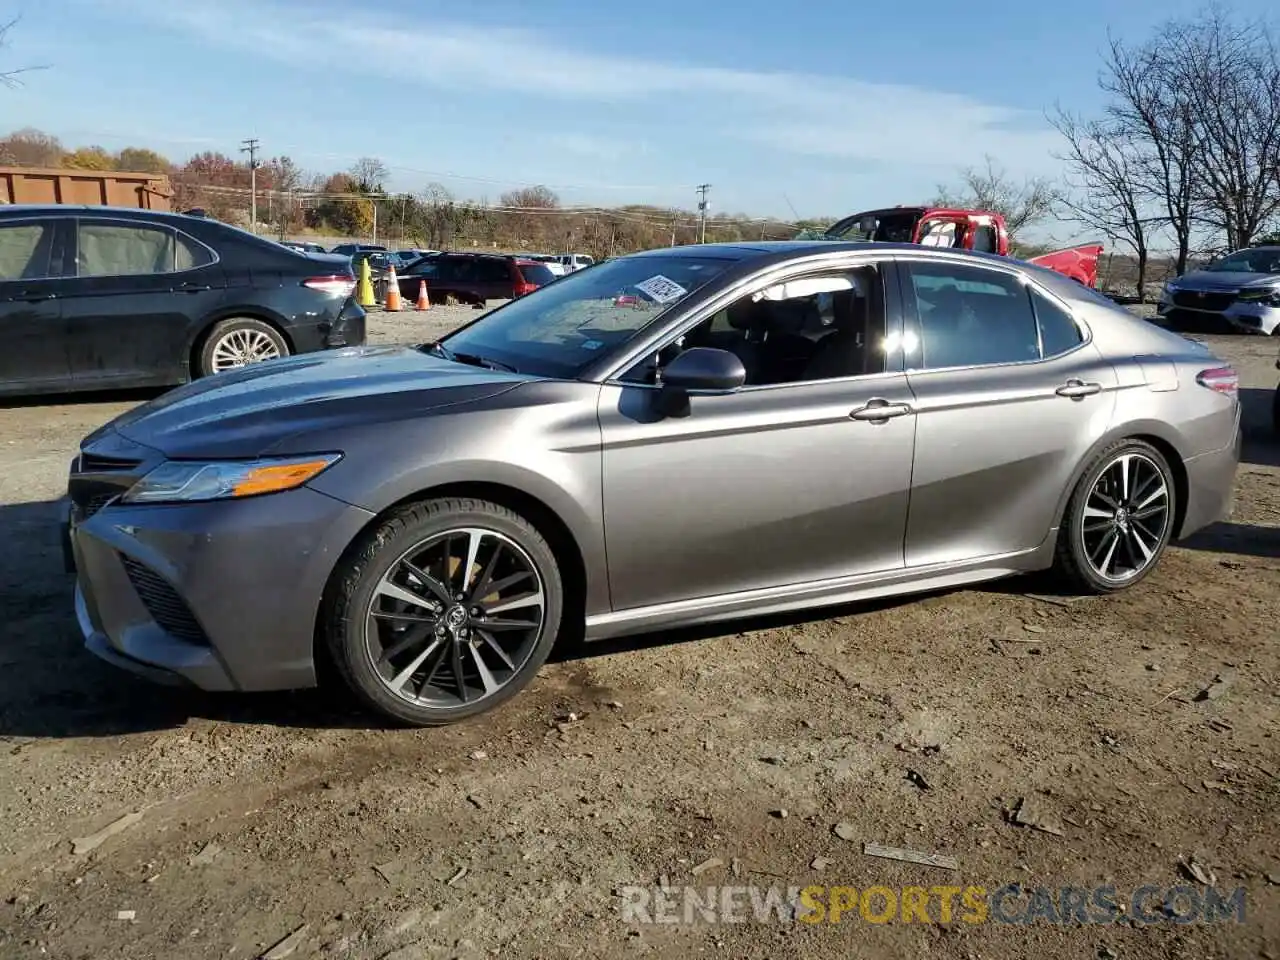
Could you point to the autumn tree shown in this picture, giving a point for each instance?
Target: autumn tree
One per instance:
(141, 160)
(89, 158)
(30, 147)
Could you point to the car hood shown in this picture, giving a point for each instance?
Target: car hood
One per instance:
(256, 410)
(1224, 280)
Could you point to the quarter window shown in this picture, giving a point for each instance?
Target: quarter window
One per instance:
(1059, 331)
(970, 316)
(24, 250)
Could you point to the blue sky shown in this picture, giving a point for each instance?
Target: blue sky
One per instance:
(811, 106)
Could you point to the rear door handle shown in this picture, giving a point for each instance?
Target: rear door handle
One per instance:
(878, 410)
(193, 287)
(1076, 389)
(35, 296)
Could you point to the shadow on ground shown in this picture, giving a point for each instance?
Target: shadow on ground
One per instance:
(141, 395)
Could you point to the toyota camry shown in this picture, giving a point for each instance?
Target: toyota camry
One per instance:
(678, 436)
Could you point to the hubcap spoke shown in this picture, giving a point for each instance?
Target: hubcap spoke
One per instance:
(396, 592)
(456, 617)
(401, 678)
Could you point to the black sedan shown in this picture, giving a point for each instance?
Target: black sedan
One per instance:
(95, 298)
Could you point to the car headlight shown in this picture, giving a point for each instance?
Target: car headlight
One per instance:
(1267, 296)
(1170, 288)
(186, 481)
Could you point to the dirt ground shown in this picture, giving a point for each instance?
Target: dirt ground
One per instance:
(917, 724)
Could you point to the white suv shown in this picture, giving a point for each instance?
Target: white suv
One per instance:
(575, 261)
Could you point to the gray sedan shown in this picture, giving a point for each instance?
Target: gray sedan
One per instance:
(679, 436)
(1242, 288)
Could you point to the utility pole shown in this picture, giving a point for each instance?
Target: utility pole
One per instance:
(251, 148)
(703, 206)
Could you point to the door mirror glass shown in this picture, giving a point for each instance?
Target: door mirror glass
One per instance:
(705, 368)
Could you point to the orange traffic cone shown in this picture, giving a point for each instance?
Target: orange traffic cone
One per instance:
(423, 302)
(393, 292)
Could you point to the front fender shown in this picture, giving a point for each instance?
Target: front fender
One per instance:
(540, 440)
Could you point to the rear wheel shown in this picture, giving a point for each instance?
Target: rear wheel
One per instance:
(1119, 519)
(239, 341)
(445, 610)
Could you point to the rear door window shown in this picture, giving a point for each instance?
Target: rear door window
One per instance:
(120, 250)
(971, 316)
(537, 273)
(25, 250)
(494, 271)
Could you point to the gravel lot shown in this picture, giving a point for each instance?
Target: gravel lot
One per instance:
(913, 724)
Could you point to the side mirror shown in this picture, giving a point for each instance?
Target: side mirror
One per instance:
(704, 369)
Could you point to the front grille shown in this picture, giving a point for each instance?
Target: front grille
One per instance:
(96, 502)
(1193, 300)
(163, 603)
(96, 463)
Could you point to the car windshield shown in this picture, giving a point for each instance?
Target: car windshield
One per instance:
(1262, 260)
(890, 228)
(560, 329)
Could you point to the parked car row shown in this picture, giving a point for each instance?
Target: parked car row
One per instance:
(99, 297)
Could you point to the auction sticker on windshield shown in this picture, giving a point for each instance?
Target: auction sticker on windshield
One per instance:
(661, 289)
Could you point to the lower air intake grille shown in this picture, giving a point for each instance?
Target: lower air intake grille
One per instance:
(163, 603)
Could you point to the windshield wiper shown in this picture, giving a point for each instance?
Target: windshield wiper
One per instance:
(471, 359)
(479, 361)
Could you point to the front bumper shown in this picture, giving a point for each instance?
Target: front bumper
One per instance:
(1253, 317)
(220, 595)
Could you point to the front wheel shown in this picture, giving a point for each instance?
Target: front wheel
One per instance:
(1119, 519)
(445, 610)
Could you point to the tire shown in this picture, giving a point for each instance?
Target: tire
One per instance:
(1080, 550)
(240, 336)
(375, 654)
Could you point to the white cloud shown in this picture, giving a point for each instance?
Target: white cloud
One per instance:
(802, 114)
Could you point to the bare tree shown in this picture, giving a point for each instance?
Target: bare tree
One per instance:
(369, 174)
(11, 77)
(991, 188)
(1105, 188)
(538, 197)
(1230, 75)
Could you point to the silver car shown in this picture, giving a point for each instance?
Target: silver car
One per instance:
(1242, 288)
(679, 436)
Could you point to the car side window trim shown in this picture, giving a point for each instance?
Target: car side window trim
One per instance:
(56, 264)
(785, 274)
(911, 315)
(74, 249)
(690, 314)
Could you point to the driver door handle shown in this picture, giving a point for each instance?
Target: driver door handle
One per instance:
(878, 410)
(1076, 389)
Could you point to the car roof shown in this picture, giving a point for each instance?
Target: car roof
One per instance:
(18, 210)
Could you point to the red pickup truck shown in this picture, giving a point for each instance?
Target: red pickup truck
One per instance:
(964, 229)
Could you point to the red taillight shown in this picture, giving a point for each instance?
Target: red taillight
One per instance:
(525, 287)
(336, 284)
(1220, 380)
